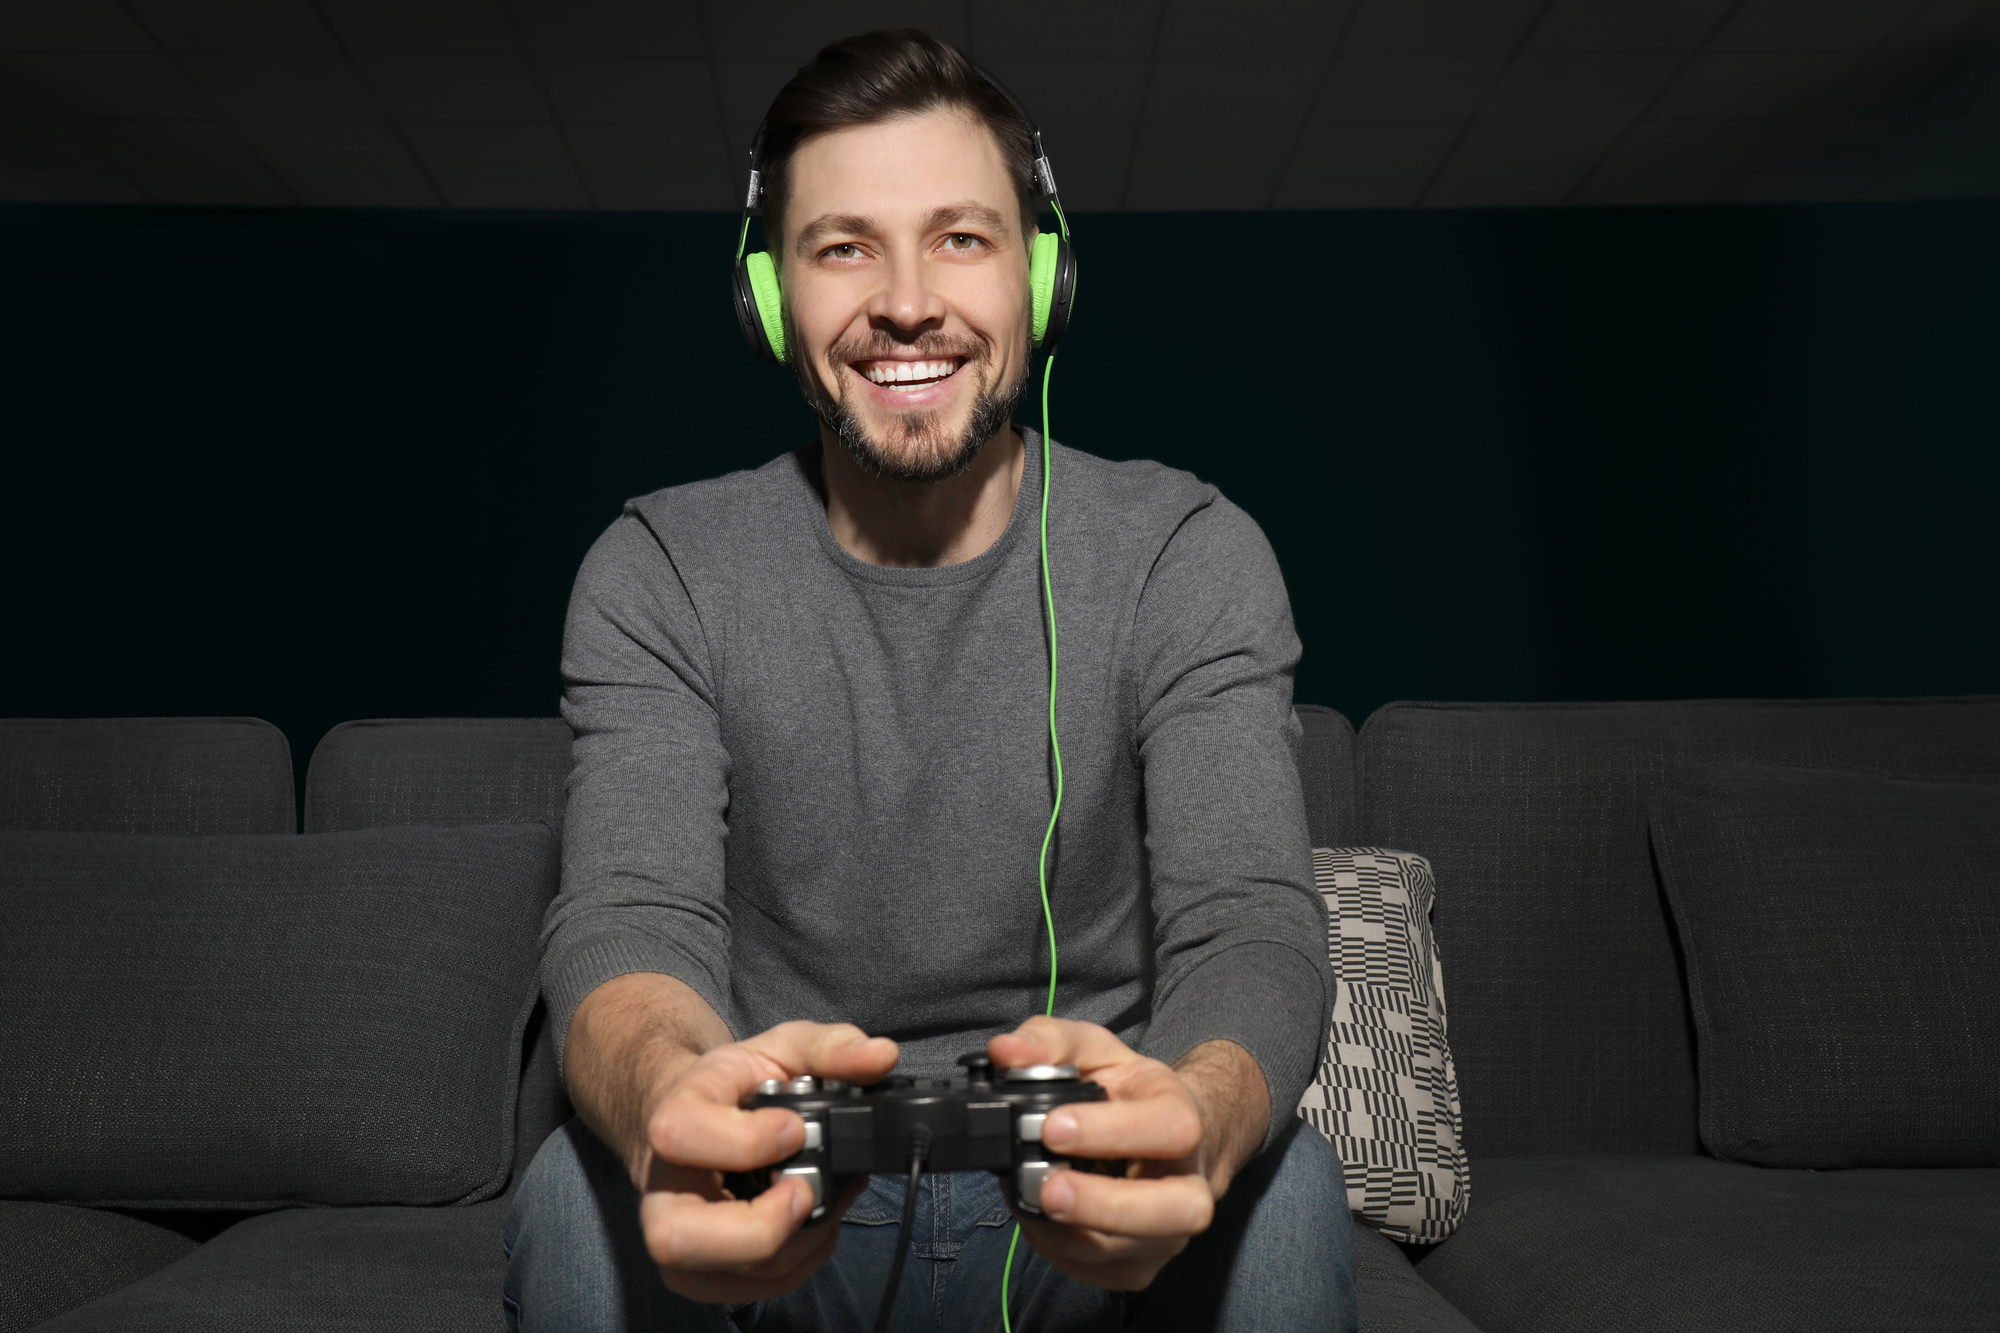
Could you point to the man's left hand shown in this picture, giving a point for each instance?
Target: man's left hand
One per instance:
(1186, 1128)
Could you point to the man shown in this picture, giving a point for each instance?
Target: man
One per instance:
(812, 774)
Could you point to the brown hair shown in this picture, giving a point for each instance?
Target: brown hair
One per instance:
(877, 76)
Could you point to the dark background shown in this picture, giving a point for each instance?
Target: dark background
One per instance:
(313, 466)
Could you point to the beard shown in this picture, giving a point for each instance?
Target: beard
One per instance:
(920, 446)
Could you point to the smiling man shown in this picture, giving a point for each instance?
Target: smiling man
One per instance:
(812, 774)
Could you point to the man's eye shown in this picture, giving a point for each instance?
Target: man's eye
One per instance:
(960, 241)
(845, 251)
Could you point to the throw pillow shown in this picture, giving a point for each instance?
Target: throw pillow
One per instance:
(256, 1021)
(1840, 932)
(1386, 1095)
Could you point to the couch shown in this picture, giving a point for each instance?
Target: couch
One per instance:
(1594, 1205)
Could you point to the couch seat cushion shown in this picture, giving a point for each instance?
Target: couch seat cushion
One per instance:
(54, 1258)
(323, 1270)
(1652, 1244)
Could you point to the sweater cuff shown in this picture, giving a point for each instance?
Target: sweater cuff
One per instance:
(1268, 998)
(571, 972)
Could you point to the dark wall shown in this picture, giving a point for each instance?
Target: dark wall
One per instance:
(315, 466)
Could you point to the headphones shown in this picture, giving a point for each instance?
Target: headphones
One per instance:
(1051, 266)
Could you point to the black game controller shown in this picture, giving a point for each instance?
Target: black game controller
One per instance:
(981, 1121)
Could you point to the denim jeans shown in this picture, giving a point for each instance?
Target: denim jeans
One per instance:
(1279, 1255)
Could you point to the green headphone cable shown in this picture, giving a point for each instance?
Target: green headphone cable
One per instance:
(1055, 810)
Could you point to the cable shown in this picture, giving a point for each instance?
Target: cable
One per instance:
(917, 1149)
(1055, 812)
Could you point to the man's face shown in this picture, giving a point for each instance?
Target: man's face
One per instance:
(905, 274)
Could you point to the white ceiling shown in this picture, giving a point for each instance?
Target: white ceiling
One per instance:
(1146, 104)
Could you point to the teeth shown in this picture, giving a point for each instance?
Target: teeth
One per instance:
(902, 372)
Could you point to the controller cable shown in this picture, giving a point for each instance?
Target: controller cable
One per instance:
(919, 1145)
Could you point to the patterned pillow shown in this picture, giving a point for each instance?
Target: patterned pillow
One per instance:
(1387, 1096)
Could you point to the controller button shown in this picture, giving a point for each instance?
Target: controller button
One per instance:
(1030, 1127)
(804, 1084)
(770, 1087)
(814, 1177)
(1038, 1073)
(815, 1135)
(1028, 1178)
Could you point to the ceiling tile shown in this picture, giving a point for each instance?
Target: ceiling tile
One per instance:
(747, 89)
(499, 166)
(67, 187)
(1377, 148)
(1812, 25)
(1677, 161)
(1060, 93)
(1065, 29)
(1438, 27)
(1353, 190)
(1626, 25)
(195, 147)
(1512, 189)
(423, 27)
(1405, 88)
(108, 83)
(657, 92)
(1797, 187)
(1922, 83)
(1736, 85)
(655, 166)
(669, 29)
(1943, 20)
(1835, 147)
(349, 189)
(235, 25)
(793, 31)
(69, 25)
(1583, 85)
(282, 86)
(1204, 29)
(1254, 92)
(456, 87)
(1208, 166)
(40, 145)
(164, 187)
(335, 164)
(1092, 160)
(1494, 146)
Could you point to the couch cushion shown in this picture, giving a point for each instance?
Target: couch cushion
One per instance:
(1693, 1245)
(324, 1270)
(258, 1021)
(1326, 772)
(146, 775)
(1392, 1296)
(1385, 1095)
(438, 770)
(1569, 1022)
(1841, 931)
(54, 1258)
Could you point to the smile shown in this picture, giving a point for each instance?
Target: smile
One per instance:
(906, 376)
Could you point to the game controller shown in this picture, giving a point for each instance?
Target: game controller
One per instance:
(981, 1121)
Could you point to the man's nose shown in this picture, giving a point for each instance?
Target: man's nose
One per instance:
(906, 301)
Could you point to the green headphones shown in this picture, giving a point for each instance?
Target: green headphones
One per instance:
(760, 311)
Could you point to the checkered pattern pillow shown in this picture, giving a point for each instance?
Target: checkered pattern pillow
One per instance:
(1387, 1096)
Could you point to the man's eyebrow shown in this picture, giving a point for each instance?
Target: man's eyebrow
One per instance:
(968, 211)
(830, 224)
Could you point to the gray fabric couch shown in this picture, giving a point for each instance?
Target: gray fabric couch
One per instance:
(1593, 1205)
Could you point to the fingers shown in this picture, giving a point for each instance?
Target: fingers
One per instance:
(735, 1253)
(1118, 1263)
(830, 1050)
(1060, 1041)
(1159, 1208)
(1165, 1125)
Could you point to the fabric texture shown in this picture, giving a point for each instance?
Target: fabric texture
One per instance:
(253, 1022)
(438, 770)
(54, 1258)
(1326, 771)
(1841, 932)
(1566, 1244)
(815, 788)
(1570, 1025)
(1386, 1095)
(1393, 1296)
(322, 1270)
(181, 775)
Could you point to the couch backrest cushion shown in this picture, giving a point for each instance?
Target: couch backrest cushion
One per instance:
(438, 770)
(1569, 1019)
(1326, 771)
(182, 775)
(259, 1021)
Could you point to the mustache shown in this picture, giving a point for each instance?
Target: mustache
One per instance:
(933, 343)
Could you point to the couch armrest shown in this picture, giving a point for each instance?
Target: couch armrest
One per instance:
(1394, 1297)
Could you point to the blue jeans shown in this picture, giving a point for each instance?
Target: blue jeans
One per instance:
(1279, 1255)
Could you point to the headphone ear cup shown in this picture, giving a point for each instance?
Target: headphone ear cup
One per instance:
(760, 308)
(1051, 288)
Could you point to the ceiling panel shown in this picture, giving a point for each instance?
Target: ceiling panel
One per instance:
(1146, 103)
(41, 186)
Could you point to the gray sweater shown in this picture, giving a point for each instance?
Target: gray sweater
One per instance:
(811, 787)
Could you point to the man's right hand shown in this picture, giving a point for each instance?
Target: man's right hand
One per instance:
(724, 1251)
